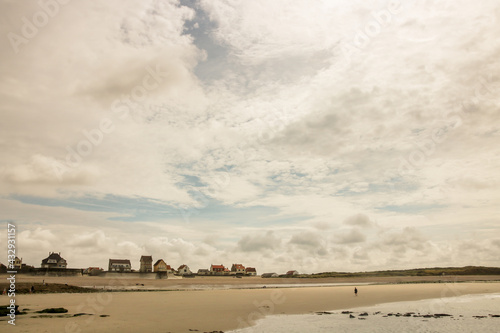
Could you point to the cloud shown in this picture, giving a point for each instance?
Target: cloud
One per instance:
(307, 239)
(349, 237)
(272, 121)
(359, 220)
(258, 242)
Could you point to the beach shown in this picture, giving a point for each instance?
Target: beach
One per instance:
(208, 309)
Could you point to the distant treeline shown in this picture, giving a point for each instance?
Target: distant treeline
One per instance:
(436, 271)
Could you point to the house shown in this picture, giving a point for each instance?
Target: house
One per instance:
(217, 269)
(119, 265)
(292, 273)
(269, 275)
(184, 270)
(238, 269)
(250, 271)
(93, 271)
(227, 271)
(161, 266)
(202, 271)
(18, 263)
(54, 260)
(146, 264)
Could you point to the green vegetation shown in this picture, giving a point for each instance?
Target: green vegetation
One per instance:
(436, 271)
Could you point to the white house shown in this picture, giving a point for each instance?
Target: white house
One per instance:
(184, 270)
(119, 265)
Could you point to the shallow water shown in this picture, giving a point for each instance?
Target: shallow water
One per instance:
(464, 310)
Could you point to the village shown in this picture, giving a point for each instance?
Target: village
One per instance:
(55, 264)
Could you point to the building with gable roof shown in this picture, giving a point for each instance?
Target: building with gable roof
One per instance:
(54, 260)
(184, 270)
(161, 266)
(217, 269)
(237, 269)
(119, 265)
(146, 264)
(250, 271)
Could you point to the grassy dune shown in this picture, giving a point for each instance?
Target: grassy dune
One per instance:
(436, 271)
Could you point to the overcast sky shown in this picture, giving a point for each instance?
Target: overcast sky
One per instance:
(308, 135)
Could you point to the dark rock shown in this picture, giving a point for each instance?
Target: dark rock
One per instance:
(323, 312)
(361, 318)
(351, 316)
(479, 317)
(494, 316)
(364, 314)
(4, 311)
(437, 315)
(104, 316)
(376, 313)
(53, 310)
(346, 312)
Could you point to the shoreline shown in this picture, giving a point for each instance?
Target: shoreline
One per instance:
(203, 282)
(217, 309)
(132, 289)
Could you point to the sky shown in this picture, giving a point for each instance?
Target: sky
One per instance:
(283, 135)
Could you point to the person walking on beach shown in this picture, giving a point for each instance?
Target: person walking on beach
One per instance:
(355, 291)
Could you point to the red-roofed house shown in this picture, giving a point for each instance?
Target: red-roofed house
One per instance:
(238, 269)
(217, 269)
(250, 271)
(292, 273)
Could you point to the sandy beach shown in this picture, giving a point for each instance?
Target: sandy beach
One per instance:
(207, 310)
